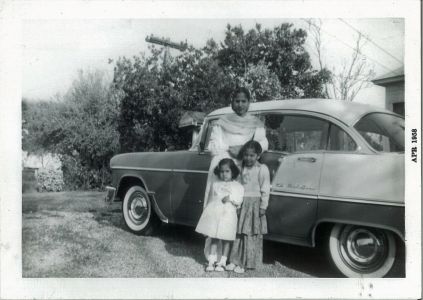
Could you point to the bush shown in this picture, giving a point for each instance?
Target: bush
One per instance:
(49, 180)
(77, 176)
(80, 127)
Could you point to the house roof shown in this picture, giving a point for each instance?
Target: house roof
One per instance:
(345, 111)
(390, 77)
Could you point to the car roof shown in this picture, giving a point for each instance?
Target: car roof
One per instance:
(345, 111)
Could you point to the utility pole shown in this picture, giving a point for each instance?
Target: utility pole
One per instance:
(167, 43)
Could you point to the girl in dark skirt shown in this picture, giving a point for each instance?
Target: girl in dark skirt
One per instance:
(247, 249)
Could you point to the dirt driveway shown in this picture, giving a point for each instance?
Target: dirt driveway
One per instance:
(75, 234)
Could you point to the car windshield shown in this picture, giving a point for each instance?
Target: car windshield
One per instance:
(384, 132)
(196, 142)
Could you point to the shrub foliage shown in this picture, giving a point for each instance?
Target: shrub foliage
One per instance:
(81, 127)
(49, 180)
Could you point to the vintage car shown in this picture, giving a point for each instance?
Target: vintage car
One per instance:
(337, 171)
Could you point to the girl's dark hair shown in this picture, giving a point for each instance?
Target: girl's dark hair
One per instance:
(250, 145)
(242, 90)
(232, 166)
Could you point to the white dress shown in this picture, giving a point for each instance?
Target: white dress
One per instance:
(219, 220)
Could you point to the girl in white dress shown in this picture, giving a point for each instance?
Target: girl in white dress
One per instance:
(219, 219)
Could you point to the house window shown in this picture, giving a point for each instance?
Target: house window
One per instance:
(398, 108)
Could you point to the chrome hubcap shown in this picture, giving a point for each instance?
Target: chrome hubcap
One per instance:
(363, 249)
(138, 208)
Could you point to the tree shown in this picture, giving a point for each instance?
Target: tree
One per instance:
(156, 95)
(86, 128)
(354, 74)
(272, 63)
(81, 127)
(281, 50)
(263, 83)
(36, 125)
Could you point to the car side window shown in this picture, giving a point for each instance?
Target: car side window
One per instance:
(292, 133)
(339, 140)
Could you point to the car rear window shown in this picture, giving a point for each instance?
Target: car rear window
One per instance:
(339, 140)
(383, 132)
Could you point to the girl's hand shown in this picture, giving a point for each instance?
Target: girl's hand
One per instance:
(225, 199)
(262, 212)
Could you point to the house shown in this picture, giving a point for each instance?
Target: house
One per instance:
(394, 89)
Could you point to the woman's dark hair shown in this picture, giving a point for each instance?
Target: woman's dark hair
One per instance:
(250, 145)
(232, 166)
(242, 90)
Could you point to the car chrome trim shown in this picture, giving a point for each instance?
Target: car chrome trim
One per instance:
(157, 209)
(364, 201)
(110, 194)
(280, 193)
(190, 171)
(161, 169)
(143, 169)
(328, 198)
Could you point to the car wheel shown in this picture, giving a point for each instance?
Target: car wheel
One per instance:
(359, 251)
(137, 211)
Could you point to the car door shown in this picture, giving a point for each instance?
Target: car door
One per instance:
(352, 175)
(300, 139)
(189, 179)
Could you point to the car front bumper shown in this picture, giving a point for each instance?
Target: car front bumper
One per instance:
(110, 194)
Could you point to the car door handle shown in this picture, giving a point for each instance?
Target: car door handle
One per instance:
(307, 159)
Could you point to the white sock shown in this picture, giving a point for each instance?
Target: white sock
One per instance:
(212, 259)
(223, 261)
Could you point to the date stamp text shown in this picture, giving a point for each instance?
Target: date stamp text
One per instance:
(414, 147)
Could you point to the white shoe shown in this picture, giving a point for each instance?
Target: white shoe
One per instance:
(239, 270)
(210, 268)
(230, 267)
(219, 268)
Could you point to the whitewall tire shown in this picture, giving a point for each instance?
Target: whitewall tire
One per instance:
(138, 212)
(359, 251)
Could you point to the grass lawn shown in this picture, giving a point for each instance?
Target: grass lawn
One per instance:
(75, 234)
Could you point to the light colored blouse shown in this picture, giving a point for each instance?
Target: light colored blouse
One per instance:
(256, 182)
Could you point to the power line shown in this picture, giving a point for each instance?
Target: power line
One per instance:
(374, 60)
(371, 41)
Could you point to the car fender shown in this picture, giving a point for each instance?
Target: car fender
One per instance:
(349, 222)
(150, 193)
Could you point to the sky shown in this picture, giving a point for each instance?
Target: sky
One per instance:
(54, 50)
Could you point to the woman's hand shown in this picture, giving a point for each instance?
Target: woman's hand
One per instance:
(262, 212)
(234, 150)
(225, 199)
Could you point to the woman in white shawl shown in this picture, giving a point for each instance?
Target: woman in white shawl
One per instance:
(229, 134)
